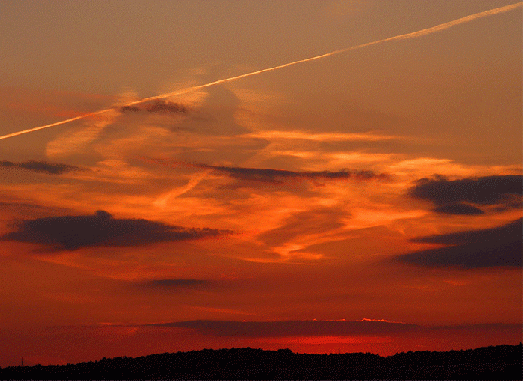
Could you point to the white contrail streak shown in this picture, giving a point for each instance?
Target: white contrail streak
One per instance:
(419, 33)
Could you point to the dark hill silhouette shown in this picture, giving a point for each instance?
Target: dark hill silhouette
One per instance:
(494, 362)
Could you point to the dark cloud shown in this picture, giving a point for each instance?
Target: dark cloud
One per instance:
(454, 196)
(100, 229)
(459, 208)
(496, 247)
(280, 175)
(293, 328)
(40, 166)
(168, 284)
(158, 106)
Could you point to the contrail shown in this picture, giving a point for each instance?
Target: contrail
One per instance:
(419, 33)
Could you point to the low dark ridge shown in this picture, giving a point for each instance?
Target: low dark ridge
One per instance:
(488, 363)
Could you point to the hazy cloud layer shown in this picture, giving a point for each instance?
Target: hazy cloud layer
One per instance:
(496, 247)
(452, 196)
(40, 166)
(293, 328)
(100, 229)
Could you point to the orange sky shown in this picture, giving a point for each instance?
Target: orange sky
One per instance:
(367, 201)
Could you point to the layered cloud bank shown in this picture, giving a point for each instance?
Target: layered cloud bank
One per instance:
(294, 328)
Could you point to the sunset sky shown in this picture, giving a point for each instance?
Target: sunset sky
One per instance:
(365, 201)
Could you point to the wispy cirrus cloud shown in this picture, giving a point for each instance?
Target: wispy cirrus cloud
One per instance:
(473, 249)
(322, 137)
(303, 229)
(100, 229)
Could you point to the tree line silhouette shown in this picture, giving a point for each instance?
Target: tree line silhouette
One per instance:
(493, 362)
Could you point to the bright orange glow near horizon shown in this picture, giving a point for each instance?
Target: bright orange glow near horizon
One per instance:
(368, 201)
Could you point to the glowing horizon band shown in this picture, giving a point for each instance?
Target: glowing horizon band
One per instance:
(419, 33)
